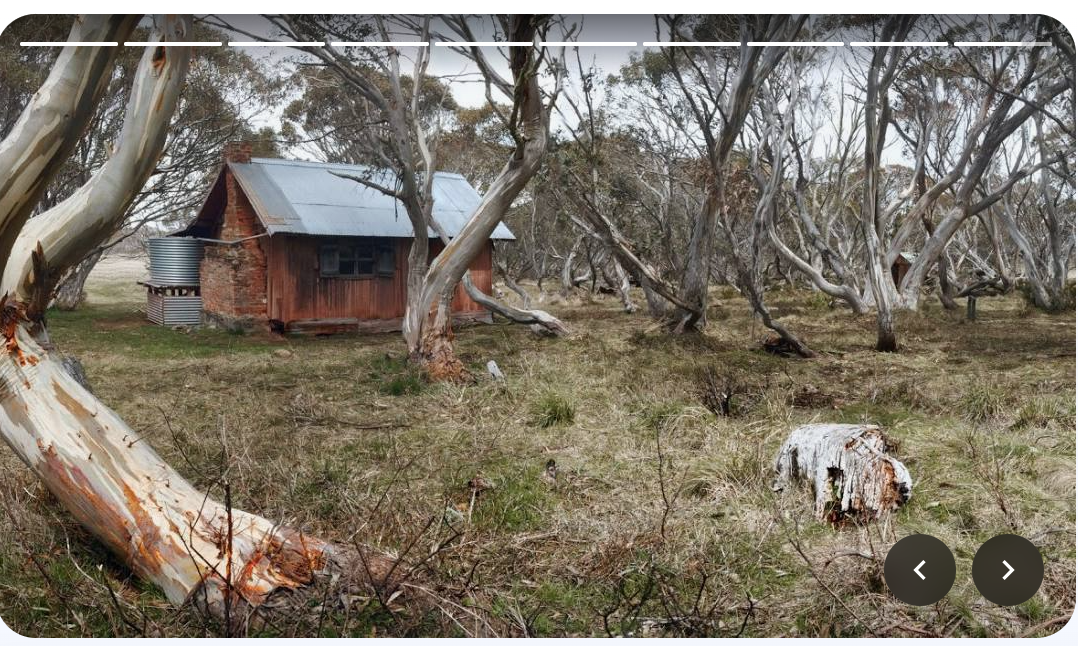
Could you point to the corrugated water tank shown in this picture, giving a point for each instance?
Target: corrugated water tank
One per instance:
(175, 261)
(173, 293)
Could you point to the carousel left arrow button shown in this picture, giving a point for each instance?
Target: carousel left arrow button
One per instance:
(919, 570)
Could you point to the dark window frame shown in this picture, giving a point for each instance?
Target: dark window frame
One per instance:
(357, 258)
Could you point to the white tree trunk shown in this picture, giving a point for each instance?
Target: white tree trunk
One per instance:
(120, 490)
(542, 321)
(844, 292)
(50, 126)
(852, 474)
(910, 294)
(102, 471)
(624, 287)
(567, 268)
(877, 115)
(68, 231)
(530, 129)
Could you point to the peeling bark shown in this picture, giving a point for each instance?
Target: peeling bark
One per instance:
(77, 225)
(435, 350)
(119, 489)
(853, 475)
(110, 480)
(50, 126)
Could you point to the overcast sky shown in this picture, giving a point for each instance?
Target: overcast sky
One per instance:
(468, 88)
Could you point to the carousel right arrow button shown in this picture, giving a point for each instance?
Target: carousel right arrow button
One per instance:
(1008, 569)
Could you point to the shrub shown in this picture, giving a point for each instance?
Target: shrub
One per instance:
(1065, 303)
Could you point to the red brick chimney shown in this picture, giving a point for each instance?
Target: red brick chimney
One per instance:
(237, 152)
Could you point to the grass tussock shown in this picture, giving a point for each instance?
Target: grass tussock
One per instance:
(982, 403)
(554, 409)
(597, 491)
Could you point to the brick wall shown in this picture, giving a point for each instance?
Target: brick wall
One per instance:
(234, 276)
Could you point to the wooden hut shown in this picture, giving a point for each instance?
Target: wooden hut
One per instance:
(901, 265)
(294, 246)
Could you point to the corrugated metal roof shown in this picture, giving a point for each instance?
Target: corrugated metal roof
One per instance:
(307, 198)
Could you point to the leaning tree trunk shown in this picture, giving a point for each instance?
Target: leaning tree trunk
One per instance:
(119, 489)
(434, 350)
(540, 321)
(54, 120)
(530, 129)
(525, 297)
(943, 269)
(746, 261)
(435, 347)
(71, 293)
(1041, 297)
(947, 291)
(624, 287)
(101, 470)
(841, 291)
(753, 293)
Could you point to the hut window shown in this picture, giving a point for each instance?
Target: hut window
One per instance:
(363, 259)
(328, 260)
(386, 263)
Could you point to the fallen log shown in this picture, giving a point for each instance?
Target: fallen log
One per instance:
(853, 474)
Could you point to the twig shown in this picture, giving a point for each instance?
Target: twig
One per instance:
(1062, 619)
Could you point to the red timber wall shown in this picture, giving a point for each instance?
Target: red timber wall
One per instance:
(298, 292)
(234, 275)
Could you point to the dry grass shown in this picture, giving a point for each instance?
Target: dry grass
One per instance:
(661, 520)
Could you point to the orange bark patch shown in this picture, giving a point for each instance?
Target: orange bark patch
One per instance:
(11, 314)
(288, 561)
(71, 486)
(436, 353)
(891, 496)
(159, 58)
(147, 543)
(81, 413)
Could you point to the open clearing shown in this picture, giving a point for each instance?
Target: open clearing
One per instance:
(661, 519)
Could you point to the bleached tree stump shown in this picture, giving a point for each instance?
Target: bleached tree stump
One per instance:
(853, 475)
